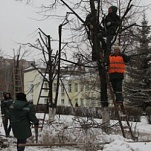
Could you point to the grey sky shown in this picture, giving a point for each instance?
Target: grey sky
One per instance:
(16, 25)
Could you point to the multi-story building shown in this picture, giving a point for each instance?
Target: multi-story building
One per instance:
(32, 84)
(6, 76)
(79, 87)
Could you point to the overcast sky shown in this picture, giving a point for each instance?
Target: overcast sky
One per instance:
(18, 26)
(19, 23)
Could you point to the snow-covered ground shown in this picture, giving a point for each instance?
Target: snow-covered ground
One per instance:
(83, 135)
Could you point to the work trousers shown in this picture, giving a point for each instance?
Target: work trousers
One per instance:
(21, 141)
(7, 125)
(117, 88)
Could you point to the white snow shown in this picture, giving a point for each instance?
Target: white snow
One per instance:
(68, 129)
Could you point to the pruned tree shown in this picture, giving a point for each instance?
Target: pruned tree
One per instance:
(76, 31)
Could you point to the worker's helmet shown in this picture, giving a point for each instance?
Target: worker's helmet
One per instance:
(116, 49)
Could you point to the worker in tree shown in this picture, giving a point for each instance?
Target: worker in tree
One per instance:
(110, 24)
(89, 23)
(116, 70)
(22, 114)
(5, 104)
(90, 20)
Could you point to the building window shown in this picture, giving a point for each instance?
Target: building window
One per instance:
(81, 101)
(87, 102)
(92, 95)
(62, 101)
(62, 90)
(55, 87)
(76, 87)
(81, 87)
(69, 102)
(69, 87)
(45, 101)
(76, 100)
(87, 87)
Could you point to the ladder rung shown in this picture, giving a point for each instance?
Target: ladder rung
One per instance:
(41, 119)
(44, 96)
(16, 86)
(45, 88)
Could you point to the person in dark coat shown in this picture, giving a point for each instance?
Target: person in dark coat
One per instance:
(76, 104)
(110, 24)
(116, 70)
(112, 21)
(89, 23)
(22, 114)
(5, 104)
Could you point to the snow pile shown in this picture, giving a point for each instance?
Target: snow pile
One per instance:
(70, 129)
(118, 145)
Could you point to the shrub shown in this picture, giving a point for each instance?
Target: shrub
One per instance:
(134, 113)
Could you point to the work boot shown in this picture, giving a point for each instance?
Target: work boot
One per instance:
(120, 109)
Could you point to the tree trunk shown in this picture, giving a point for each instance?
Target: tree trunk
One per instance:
(105, 119)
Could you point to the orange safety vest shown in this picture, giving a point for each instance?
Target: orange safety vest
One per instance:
(117, 64)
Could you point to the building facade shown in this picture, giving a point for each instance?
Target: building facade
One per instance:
(81, 89)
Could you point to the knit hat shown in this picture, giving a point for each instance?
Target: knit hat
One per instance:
(114, 9)
(21, 96)
(7, 96)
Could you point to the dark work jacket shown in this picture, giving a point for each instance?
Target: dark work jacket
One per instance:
(119, 75)
(5, 104)
(22, 114)
(114, 19)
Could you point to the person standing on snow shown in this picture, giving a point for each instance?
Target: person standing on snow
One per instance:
(5, 104)
(22, 114)
(116, 70)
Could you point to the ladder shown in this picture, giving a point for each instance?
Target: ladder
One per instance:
(17, 80)
(42, 103)
(117, 111)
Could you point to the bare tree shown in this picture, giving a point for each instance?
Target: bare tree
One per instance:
(75, 32)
